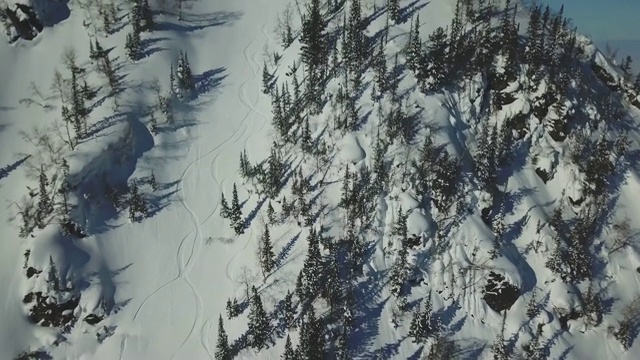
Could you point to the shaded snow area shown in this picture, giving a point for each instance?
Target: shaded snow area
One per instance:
(200, 180)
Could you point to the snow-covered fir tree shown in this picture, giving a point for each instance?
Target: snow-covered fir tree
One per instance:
(267, 257)
(223, 352)
(259, 327)
(235, 215)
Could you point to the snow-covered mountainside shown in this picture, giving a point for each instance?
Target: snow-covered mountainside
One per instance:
(309, 179)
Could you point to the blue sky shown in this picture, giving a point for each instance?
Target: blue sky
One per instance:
(603, 19)
(613, 22)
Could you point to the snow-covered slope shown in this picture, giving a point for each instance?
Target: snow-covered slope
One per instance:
(161, 283)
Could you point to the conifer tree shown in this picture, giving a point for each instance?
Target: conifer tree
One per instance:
(236, 213)
(533, 350)
(499, 347)
(232, 308)
(184, 77)
(393, 8)
(312, 264)
(311, 345)
(267, 257)
(289, 311)
(274, 173)
(45, 203)
(414, 47)
(380, 68)
(137, 204)
(355, 38)
(225, 212)
(259, 326)
(223, 352)
(289, 353)
(314, 54)
(436, 66)
(532, 306)
(533, 50)
(379, 165)
(306, 142)
(271, 214)
(399, 273)
(421, 327)
(145, 16)
(300, 289)
(53, 280)
(245, 167)
(266, 79)
(132, 45)
(342, 350)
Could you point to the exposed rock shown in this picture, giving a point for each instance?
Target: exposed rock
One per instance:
(32, 271)
(93, 319)
(26, 21)
(48, 312)
(544, 175)
(499, 294)
(20, 21)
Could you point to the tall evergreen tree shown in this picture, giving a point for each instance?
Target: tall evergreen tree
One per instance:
(436, 66)
(312, 264)
(267, 257)
(421, 327)
(314, 54)
(223, 352)
(393, 8)
(533, 350)
(355, 38)
(414, 46)
(236, 213)
(289, 353)
(45, 203)
(499, 347)
(259, 326)
(311, 345)
(289, 311)
(533, 51)
(380, 68)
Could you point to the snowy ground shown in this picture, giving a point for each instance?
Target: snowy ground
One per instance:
(169, 276)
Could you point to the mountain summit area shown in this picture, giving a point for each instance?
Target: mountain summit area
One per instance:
(315, 179)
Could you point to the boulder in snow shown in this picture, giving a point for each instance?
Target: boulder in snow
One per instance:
(499, 294)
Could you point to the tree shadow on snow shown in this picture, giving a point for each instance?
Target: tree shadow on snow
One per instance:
(286, 249)
(5, 171)
(209, 80)
(194, 22)
(408, 11)
(148, 46)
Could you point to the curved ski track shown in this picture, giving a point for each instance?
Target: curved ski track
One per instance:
(184, 267)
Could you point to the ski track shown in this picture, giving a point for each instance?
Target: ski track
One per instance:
(184, 267)
(204, 337)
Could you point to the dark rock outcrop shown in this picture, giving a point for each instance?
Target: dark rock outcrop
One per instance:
(499, 294)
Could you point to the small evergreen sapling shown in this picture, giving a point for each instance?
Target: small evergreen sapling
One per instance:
(233, 308)
(225, 212)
